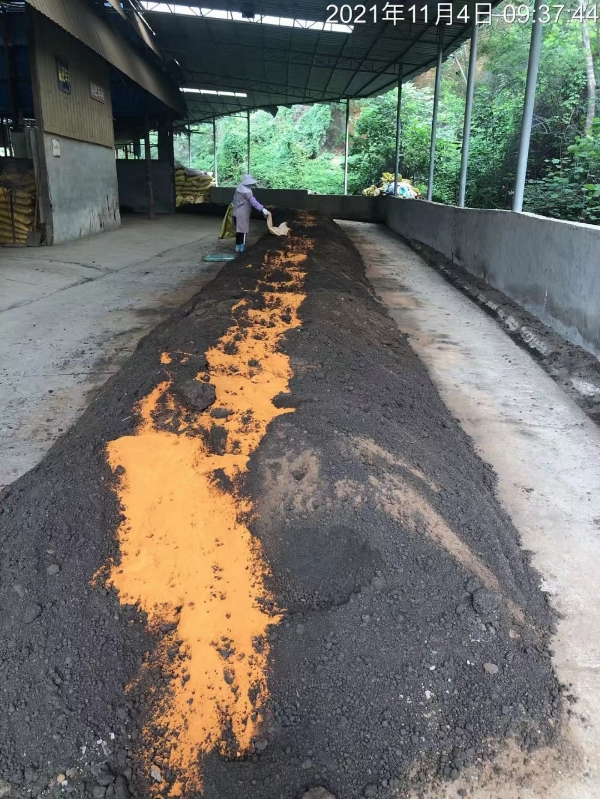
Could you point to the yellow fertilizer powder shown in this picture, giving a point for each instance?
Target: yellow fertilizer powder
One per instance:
(186, 557)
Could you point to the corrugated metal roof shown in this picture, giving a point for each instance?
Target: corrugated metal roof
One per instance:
(285, 65)
(81, 19)
(117, 7)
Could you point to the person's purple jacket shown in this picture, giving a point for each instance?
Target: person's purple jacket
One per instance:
(243, 202)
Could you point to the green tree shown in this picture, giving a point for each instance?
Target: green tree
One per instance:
(373, 147)
(570, 188)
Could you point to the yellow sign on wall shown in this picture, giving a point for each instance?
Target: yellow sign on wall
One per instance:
(64, 76)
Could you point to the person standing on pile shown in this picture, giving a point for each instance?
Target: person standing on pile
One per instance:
(243, 203)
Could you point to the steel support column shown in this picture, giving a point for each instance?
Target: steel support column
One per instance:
(11, 77)
(248, 141)
(216, 165)
(346, 145)
(166, 152)
(148, 156)
(464, 156)
(436, 100)
(164, 140)
(398, 132)
(535, 47)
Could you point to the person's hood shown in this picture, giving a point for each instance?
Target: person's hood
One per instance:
(248, 180)
(245, 191)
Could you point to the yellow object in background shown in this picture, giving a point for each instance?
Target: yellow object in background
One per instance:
(17, 215)
(227, 227)
(385, 185)
(192, 187)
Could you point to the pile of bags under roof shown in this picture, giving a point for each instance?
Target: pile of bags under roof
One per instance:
(192, 186)
(385, 185)
(17, 203)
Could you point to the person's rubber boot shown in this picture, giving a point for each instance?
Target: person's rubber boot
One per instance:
(242, 247)
(237, 247)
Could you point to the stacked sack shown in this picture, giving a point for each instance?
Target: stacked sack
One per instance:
(192, 186)
(17, 204)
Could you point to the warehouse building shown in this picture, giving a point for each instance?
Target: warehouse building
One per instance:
(76, 81)
(80, 77)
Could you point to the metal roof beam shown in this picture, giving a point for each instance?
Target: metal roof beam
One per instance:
(306, 59)
(251, 85)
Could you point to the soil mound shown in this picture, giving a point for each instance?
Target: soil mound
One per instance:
(406, 633)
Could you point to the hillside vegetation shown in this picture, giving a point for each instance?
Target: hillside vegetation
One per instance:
(303, 146)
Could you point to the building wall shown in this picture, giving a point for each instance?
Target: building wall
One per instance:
(76, 114)
(336, 206)
(82, 185)
(79, 189)
(84, 21)
(550, 267)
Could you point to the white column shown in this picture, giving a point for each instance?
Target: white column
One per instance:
(248, 142)
(535, 47)
(398, 132)
(346, 146)
(216, 165)
(464, 158)
(436, 100)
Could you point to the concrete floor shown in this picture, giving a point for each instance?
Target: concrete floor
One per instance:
(70, 315)
(546, 453)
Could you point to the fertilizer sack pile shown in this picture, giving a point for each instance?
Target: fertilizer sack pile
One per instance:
(385, 185)
(192, 186)
(17, 204)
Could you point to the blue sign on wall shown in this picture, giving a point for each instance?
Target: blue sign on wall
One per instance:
(64, 76)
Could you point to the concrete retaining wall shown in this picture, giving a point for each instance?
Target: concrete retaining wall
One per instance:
(550, 267)
(82, 186)
(133, 186)
(337, 206)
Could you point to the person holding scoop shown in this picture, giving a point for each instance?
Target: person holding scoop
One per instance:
(243, 203)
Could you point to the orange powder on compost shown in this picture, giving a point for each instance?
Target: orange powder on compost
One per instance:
(187, 557)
